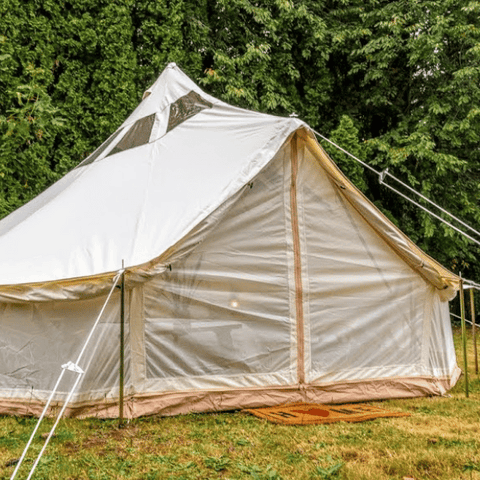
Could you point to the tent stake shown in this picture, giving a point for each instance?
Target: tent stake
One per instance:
(474, 333)
(464, 334)
(122, 344)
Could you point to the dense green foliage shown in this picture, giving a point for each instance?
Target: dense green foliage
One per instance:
(394, 82)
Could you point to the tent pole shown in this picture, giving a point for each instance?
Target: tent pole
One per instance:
(464, 333)
(122, 344)
(297, 267)
(474, 333)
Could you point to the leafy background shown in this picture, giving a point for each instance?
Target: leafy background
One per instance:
(394, 82)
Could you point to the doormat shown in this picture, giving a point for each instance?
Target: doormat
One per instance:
(313, 413)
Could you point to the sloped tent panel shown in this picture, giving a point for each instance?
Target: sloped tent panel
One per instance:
(137, 203)
(257, 274)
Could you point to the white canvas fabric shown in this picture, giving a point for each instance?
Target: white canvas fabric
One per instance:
(37, 338)
(221, 316)
(256, 273)
(110, 208)
(366, 308)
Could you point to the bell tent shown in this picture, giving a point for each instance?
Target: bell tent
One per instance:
(255, 273)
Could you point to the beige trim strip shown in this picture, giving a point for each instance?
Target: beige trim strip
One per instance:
(297, 263)
(176, 403)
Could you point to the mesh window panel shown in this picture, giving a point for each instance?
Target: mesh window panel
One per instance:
(186, 107)
(139, 134)
(366, 305)
(37, 338)
(223, 310)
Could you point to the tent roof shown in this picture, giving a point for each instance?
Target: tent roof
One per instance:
(176, 159)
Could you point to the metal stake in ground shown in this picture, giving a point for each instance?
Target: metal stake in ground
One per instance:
(464, 334)
(474, 333)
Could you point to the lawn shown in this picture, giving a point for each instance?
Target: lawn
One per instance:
(440, 440)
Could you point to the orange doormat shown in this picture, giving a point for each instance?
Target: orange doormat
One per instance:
(312, 413)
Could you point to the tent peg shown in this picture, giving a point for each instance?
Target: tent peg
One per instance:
(464, 333)
(474, 333)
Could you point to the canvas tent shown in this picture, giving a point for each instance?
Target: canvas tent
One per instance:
(256, 273)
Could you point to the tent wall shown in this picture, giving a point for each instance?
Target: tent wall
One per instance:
(221, 317)
(224, 321)
(284, 293)
(37, 338)
(368, 315)
(225, 316)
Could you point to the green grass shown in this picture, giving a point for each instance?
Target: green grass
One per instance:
(441, 440)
